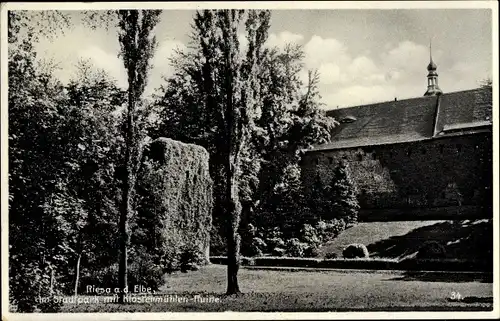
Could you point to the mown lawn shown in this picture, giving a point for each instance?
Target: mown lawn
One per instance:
(346, 290)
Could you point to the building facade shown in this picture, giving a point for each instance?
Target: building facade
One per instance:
(422, 158)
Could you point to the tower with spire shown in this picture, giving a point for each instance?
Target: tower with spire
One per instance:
(432, 77)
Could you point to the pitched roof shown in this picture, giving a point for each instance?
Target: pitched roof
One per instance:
(410, 120)
(465, 109)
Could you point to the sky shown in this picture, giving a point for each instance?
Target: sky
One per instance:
(362, 55)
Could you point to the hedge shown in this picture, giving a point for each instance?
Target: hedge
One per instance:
(445, 265)
(365, 264)
(176, 188)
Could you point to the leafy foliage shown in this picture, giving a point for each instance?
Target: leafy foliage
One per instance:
(287, 118)
(335, 199)
(137, 44)
(353, 251)
(63, 150)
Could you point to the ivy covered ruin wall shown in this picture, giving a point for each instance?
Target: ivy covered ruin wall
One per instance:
(177, 190)
(441, 178)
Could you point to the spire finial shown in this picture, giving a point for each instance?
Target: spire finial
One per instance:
(432, 77)
(430, 49)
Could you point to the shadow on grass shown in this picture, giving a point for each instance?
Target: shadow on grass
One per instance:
(444, 277)
(462, 239)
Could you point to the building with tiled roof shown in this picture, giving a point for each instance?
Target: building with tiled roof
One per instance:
(423, 157)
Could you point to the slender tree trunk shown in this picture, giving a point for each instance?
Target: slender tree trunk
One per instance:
(128, 189)
(77, 273)
(51, 281)
(233, 238)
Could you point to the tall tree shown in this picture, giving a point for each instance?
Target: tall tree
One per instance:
(137, 48)
(231, 92)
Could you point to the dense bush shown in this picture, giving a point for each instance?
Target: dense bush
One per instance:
(295, 248)
(257, 247)
(278, 252)
(353, 251)
(334, 199)
(330, 255)
(190, 258)
(312, 251)
(431, 250)
(274, 242)
(145, 269)
(218, 243)
(309, 235)
(328, 230)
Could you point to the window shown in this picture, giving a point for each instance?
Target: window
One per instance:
(360, 157)
(374, 155)
(317, 161)
(330, 160)
(459, 148)
(424, 151)
(408, 153)
(441, 148)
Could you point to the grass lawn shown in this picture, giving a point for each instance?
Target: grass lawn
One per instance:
(266, 290)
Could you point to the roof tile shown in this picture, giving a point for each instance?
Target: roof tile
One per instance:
(408, 120)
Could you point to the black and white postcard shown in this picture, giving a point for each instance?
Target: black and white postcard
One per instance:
(291, 159)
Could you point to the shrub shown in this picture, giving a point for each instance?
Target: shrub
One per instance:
(310, 235)
(312, 251)
(273, 243)
(367, 263)
(353, 251)
(217, 243)
(287, 261)
(335, 198)
(278, 251)
(257, 247)
(222, 260)
(343, 195)
(106, 277)
(247, 233)
(431, 250)
(333, 228)
(146, 271)
(330, 255)
(190, 258)
(295, 248)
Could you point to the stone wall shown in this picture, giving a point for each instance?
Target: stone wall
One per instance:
(417, 178)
